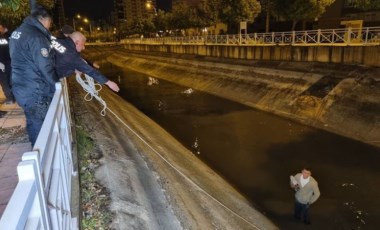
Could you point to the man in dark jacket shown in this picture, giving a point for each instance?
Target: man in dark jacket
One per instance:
(65, 32)
(5, 64)
(33, 74)
(68, 59)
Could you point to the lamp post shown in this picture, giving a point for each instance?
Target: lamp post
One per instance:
(76, 16)
(89, 22)
(149, 6)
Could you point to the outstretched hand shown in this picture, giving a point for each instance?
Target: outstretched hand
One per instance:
(95, 65)
(112, 85)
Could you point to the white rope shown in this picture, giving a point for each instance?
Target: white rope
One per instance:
(89, 86)
(182, 174)
(92, 89)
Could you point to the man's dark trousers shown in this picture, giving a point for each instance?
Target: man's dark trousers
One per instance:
(302, 210)
(35, 113)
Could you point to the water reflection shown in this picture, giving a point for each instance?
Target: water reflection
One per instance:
(257, 152)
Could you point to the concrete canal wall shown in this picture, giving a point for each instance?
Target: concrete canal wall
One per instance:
(364, 55)
(344, 99)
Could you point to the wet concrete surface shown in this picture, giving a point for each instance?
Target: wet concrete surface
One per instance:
(256, 152)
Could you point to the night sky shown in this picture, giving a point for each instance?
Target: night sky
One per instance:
(98, 9)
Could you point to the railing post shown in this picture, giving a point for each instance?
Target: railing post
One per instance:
(35, 156)
(282, 38)
(319, 36)
(293, 37)
(333, 37)
(349, 31)
(26, 200)
(366, 36)
(272, 37)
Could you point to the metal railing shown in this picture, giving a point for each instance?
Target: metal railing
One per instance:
(42, 196)
(326, 37)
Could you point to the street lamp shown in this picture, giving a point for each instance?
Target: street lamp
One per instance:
(149, 6)
(89, 22)
(76, 16)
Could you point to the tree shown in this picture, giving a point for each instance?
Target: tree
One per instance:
(143, 26)
(13, 11)
(200, 16)
(233, 12)
(267, 6)
(298, 10)
(209, 11)
(161, 21)
(180, 16)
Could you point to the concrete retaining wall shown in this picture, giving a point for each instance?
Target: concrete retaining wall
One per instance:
(349, 107)
(363, 55)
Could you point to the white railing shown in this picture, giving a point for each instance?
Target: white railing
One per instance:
(326, 37)
(42, 196)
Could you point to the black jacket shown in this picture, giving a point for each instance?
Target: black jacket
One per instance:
(4, 48)
(33, 74)
(68, 60)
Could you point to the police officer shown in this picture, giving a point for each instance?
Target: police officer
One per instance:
(68, 59)
(33, 74)
(65, 32)
(5, 64)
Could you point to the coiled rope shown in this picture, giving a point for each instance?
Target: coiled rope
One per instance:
(90, 88)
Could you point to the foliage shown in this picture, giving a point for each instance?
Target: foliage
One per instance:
(161, 21)
(205, 13)
(297, 10)
(210, 11)
(13, 11)
(140, 26)
(94, 198)
(235, 11)
(267, 6)
(180, 16)
(12, 4)
(198, 17)
(367, 4)
(201, 15)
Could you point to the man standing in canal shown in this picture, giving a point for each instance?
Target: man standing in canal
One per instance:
(307, 192)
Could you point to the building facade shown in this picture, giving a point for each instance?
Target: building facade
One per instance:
(342, 11)
(132, 10)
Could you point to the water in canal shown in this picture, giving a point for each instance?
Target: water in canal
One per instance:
(257, 152)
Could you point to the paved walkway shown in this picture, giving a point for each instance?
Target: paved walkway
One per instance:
(13, 144)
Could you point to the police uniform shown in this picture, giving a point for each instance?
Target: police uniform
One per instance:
(68, 59)
(33, 74)
(5, 75)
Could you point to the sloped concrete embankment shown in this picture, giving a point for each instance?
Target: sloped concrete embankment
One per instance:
(340, 99)
(154, 181)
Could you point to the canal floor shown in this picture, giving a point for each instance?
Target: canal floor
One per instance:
(257, 152)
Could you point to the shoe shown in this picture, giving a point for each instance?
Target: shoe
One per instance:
(307, 222)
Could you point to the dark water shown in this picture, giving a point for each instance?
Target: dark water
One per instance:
(257, 152)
